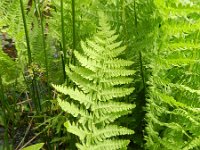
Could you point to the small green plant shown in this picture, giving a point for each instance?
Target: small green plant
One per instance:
(100, 80)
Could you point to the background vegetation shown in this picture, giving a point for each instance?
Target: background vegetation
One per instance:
(66, 66)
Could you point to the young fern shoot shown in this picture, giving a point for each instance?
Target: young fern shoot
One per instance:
(100, 80)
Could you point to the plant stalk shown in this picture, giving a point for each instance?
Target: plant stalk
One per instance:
(63, 45)
(44, 47)
(35, 97)
(26, 33)
(5, 116)
(73, 31)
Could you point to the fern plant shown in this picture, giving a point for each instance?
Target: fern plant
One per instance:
(100, 79)
(174, 94)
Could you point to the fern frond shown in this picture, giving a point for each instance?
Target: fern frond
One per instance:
(87, 62)
(73, 109)
(117, 72)
(111, 107)
(95, 46)
(111, 93)
(83, 72)
(174, 102)
(99, 79)
(117, 63)
(98, 39)
(75, 94)
(193, 144)
(114, 46)
(117, 81)
(90, 52)
(83, 83)
(109, 118)
(73, 128)
(106, 145)
(186, 89)
(110, 131)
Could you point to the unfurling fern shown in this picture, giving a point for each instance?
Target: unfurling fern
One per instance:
(100, 80)
(174, 105)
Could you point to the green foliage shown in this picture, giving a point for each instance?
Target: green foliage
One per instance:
(14, 27)
(138, 29)
(173, 105)
(101, 79)
(10, 72)
(161, 37)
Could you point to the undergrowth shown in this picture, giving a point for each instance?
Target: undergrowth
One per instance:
(102, 91)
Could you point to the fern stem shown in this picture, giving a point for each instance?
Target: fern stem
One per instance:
(118, 14)
(123, 14)
(35, 95)
(63, 65)
(140, 52)
(63, 45)
(73, 31)
(44, 47)
(4, 110)
(135, 16)
(141, 95)
(3, 102)
(142, 71)
(26, 33)
(36, 99)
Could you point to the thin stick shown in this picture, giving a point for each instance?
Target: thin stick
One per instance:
(27, 130)
(30, 141)
(25, 101)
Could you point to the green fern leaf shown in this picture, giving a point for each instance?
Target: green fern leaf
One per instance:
(111, 93)
(173, 106)
(99, 80)
(75, 94)
(106, 145)
(110, 131)
(73, 109)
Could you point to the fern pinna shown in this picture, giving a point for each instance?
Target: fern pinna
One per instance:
(99, 79)
(174, 95)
